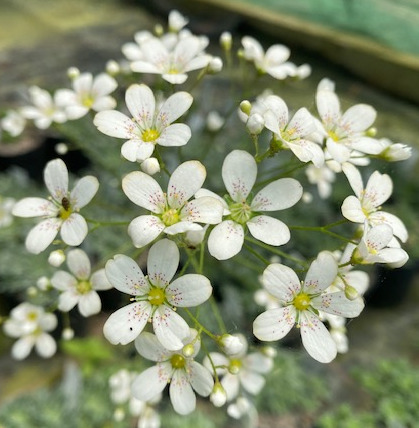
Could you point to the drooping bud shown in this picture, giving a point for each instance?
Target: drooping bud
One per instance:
(218, 395)
(112, 67)
(255, 124)
(226, 40)
(215, 65)
(150, 166)
(246, 107)
(56, 258)
(73, 72)
(351, 293)
(230, 344)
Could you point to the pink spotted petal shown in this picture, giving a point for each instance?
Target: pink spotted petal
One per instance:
(274, 324)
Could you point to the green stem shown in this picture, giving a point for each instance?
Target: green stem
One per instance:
(200, 326)
(256, 254)
(217, 314)
(323, 229)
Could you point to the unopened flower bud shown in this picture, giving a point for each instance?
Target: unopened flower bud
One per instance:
(158, 30)
(226, 40)
(351, 293)
(246, 107)
(255, 124)
(188, 350)
(215, 65)
(214, 121)
(150, 166)
(67, 334)
(307, 197)
(218, 395)
(56, 258)
(43, 283)
(61, 148)
(112, 67)
(396, 152)
(372, 132)
(32, 291)
(269, 351)
(73, 72)
(303, 71)
(231, 344)
(119, 414)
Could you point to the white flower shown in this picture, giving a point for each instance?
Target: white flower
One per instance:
(171, 212)
(30, 323)
(183, 373)
(273, 62)
(89, 93)
(155, 296)
(45, 109)
(293, 134)
(80, 287)
(239, 175)
(378, 245)
(240, 370)
(172, 63)
(60, 211)
(347, 131)
(241, 407)
(13, 123)
(301, 303)
(394, 152)
(323, 177)
(6, 208)
(366, 205)
(149, 125)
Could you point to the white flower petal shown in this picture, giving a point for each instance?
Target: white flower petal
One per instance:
(399, 229)
(79, 263)
(103, 84)
(281, 281)
(316, 338)
(301, 124)
(56, 179)
(338, 304)
(181, 393)
(189, 290)
(252, 382)
(151, 381)
(328, 107)
(42, 235)
(239, 174)
(162, 262)
(200, 378)
(74, 230)
(148, 346)
(358, 118)
(352, 209)
(278, 195)
(185, 181)
(23, 347)
(274, 324)
(63, 280)
(175, 79)
(174, 107)
(137, 150)
(84, 191)
(34, 207)
(276, 116)
(144, 191)
(174, 135)
(226, 240)
(141, 104)
(269, 230)
(321, 273)
(126, 276)
(124, 325)
(145, 229)
(67, 300)
(100, 281)
(45, 345)
(354, 177)
(181, 227)
(378, 189)
(170, 328)
(115, 124)
(205, 209)
(231, 385)
(338, 151)
(259, 363)
(90, 304)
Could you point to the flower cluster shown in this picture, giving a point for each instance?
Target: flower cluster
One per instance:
(180, 236)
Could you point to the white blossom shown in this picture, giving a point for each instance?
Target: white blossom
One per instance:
(156, 296)
(149, 125)
(13, 123)
(30, 324)
(171, 212)
(301, 303)
(184, 375)
(59, 211)
(80, 286)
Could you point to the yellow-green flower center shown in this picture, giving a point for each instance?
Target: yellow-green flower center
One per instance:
(65, 210)
(240, 212)
(88, 101)
(32, 316)
(83, 286)
(170, 217)
(288, 134)
(177, 361)
(302, 301)
(150, 135)
(234, 366)
(333, 135)
(156, 296)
